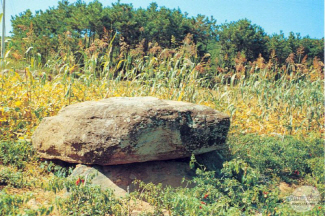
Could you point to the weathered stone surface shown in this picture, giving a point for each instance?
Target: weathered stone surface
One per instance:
(127, 130)
(119, 178)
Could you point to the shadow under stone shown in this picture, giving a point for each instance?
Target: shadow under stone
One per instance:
(168, 173)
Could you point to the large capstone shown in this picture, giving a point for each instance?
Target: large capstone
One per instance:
(125, 130)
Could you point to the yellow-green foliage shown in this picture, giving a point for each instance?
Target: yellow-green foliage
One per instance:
(256, 103)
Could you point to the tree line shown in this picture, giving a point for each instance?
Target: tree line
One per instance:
(144, 31)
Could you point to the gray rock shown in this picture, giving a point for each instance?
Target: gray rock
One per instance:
(127, 130)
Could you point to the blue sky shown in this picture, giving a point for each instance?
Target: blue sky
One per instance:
(299, 16)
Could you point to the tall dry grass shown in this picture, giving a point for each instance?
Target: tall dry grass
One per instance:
(261, 97)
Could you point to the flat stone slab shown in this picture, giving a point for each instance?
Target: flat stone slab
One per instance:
(126, 130)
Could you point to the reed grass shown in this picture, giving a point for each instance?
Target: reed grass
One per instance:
(257, 102)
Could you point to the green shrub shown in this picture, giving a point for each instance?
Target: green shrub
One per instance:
(55, 184)
(42, 210)
(86, 199)
(239, 190)
(285, 157)
(9, 177)
(9, 204)
(16, 153)
(56, 169)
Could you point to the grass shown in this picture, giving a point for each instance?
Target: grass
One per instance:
(275, 135)
(256, 105)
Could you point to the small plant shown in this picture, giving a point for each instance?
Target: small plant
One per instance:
(42, 210)
(56, 169)
(9, 204)
(87, 199)
(17, 153)
(9, 177)
(55, 184)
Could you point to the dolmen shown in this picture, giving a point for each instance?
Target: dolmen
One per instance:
(128, 138)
